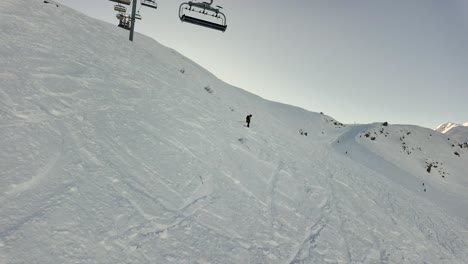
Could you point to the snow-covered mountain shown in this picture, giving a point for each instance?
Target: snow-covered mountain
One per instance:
(456, 131)
(445, 127)
(119, 152)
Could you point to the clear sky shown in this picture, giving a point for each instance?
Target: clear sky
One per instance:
(358, 61)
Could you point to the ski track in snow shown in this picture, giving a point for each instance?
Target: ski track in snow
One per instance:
(106, 163)
(46, 170)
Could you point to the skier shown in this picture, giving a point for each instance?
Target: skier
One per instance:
(247, 119)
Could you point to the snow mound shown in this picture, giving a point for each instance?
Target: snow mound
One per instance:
(119, 152)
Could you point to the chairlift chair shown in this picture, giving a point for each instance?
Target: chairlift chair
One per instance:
(124, 25)
(124, 20)
(205, 9)
(138, 16)
(120, 8)
(149, 3)
(125, 2)
(122, 16)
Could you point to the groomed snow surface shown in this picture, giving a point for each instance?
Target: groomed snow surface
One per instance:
(119, 152)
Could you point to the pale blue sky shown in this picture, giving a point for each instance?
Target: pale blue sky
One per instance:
(401, 61)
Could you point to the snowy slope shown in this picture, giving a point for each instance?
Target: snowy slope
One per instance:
(456, 131)
(459, 133)
(119, 152)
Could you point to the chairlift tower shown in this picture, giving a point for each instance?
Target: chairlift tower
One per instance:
(134, 16)
(132, 29)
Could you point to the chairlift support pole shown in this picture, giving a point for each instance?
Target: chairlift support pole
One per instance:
(132, 27)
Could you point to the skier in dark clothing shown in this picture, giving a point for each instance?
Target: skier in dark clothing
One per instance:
(247, 119)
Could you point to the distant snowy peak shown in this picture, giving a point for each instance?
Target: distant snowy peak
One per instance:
(457, 131)
(445, 127)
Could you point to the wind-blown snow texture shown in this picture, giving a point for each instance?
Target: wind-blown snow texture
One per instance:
(119, 152)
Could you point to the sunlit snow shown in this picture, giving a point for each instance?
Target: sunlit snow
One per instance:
(457, 131)
(120, 152)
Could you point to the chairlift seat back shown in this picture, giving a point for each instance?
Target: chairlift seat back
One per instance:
(149, 3)
(120, 8)
(203, 23)
(125, 2)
